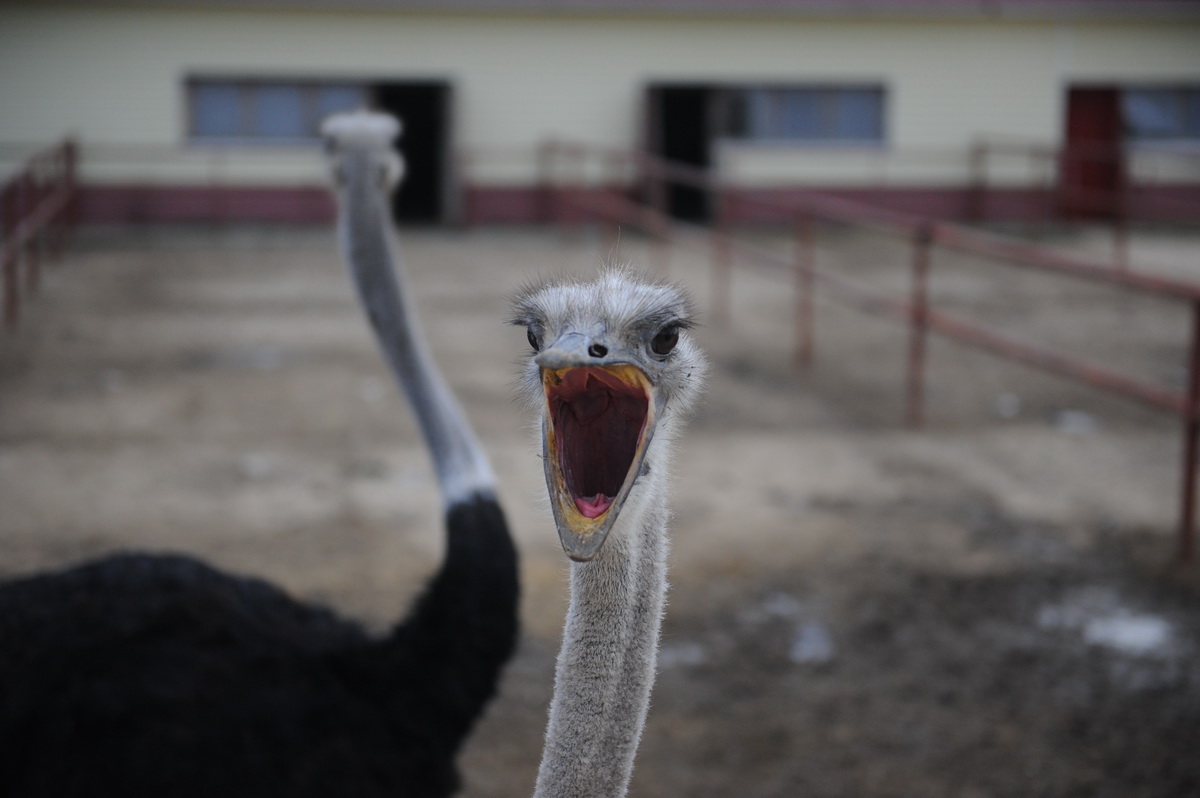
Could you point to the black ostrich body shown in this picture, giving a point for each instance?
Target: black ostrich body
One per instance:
(158, 675)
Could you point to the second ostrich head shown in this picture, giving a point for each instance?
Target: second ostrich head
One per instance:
(614, 371)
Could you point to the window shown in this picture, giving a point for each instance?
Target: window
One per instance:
(811, 115)
(266, 111)
(1161, 114)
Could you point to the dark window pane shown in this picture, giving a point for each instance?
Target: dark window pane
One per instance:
(267, 110)
(335, 97)
(1191, 119)
(216, 110)
(799, 115)
(817, 115)
(1152, 113)
(737, 115)
(280, 112)
(758, 114)
(860, 116)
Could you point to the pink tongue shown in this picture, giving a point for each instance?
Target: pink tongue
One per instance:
(593, 507)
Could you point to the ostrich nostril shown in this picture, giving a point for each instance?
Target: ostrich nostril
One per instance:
(597, 350)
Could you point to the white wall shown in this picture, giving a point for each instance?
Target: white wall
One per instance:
(116, 76)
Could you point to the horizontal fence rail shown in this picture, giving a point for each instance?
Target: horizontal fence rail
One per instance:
(1132, 180)
(574, 204)
(36, 203)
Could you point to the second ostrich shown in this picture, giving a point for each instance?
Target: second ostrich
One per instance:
(613, 373)
(143, 675)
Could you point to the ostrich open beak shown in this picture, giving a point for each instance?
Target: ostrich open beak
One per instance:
(597, 425)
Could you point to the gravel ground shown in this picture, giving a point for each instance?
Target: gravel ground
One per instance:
(987, 607)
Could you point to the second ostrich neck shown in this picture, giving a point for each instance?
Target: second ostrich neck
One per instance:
(607, 663)
(461, 466)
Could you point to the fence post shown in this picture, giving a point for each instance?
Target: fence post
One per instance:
(977, 199)
(612, 193)
(1191, 432)
(71, 180)
(561, 186)
(1121, 242)
(26, 203)
(461, 213)
(806, 258)
(222, 193)
(547, 196)
(1046, 165)
(655, 183)
(574, 213)
(35, 196)
(722, 285)
(1121, 221)
(12, 255)
(32, 232)
(919, 321)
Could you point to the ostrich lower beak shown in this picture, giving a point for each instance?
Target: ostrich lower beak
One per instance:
(598, 422)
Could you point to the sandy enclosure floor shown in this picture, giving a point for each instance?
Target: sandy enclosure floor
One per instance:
(985, 608)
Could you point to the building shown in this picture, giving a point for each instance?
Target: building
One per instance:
(187, 110)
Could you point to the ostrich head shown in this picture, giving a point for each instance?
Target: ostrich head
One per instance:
(613, 371)
(359, 147)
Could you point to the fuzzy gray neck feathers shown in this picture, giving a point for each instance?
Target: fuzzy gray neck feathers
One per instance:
(607, 663)
(372, 253)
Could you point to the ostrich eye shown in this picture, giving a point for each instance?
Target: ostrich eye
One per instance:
(533, 339)
(665, 341)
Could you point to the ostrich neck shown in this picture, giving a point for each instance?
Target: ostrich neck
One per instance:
(373, 254)
(606, 666)
(463, 628)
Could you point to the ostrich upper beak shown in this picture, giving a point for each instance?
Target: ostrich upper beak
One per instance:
(599, 420)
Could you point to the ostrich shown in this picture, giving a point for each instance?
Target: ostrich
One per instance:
(142, 675)
(613, 373)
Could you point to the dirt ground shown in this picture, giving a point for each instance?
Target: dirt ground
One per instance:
(988, 607)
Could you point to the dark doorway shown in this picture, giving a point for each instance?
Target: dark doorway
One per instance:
(1092, 167)
(680, 128)
(424, 109)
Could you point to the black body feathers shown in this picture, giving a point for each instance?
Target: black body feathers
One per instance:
(159, 676)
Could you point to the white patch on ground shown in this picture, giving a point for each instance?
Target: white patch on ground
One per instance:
(813, 644)
(257, 466)
(781, 605)
(1076, 422)
(1130, 632)
(1098, 615)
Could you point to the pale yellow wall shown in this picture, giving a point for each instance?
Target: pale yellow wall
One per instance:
(116, 76)
(950, 84)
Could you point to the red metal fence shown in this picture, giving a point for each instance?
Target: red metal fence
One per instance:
(573, 203)
(36, 204)
(1135, 184)
(1139, 183)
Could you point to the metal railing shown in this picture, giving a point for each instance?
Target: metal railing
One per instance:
(1128, 184)
(37, 205)
(1127, 181)
(576, 203)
